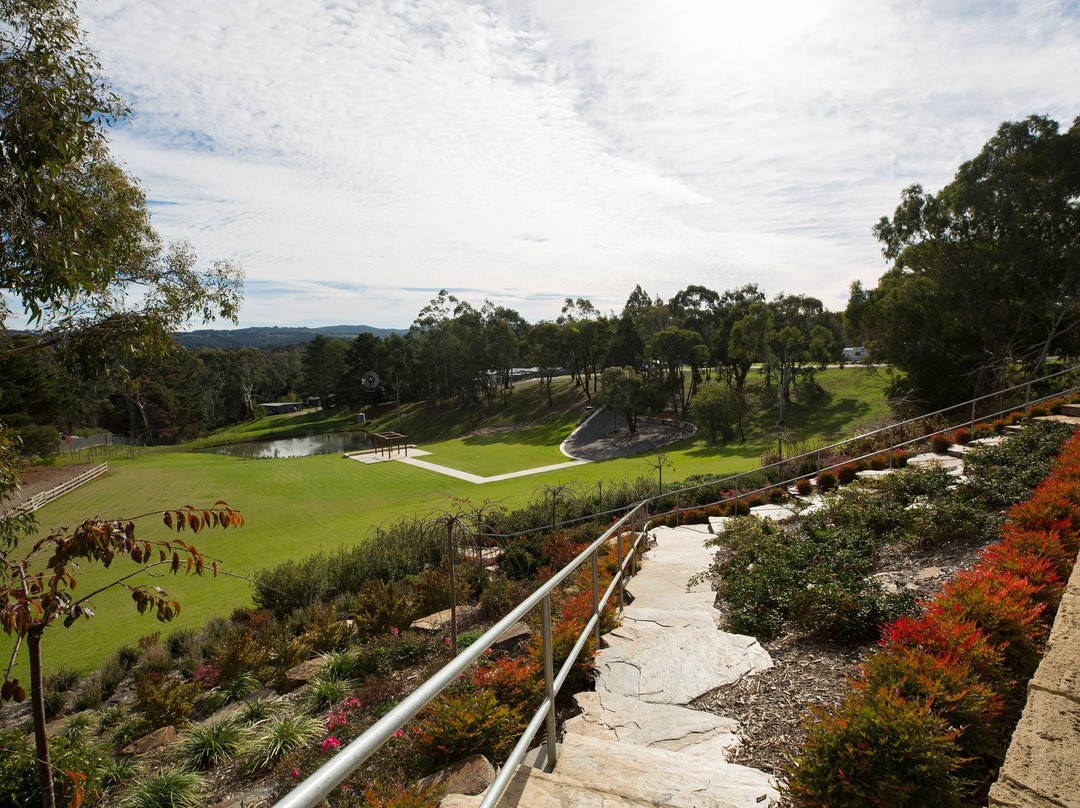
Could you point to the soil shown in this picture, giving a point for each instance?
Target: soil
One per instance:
(39, 479)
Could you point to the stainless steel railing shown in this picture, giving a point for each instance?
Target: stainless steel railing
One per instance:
(334, 772)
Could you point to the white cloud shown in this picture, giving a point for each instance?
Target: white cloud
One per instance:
(357, 156)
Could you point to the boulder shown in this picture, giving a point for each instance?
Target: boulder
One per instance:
(300, 675)
(163, 736)
(470, 776)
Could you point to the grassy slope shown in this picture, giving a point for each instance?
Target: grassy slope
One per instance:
(298, 506)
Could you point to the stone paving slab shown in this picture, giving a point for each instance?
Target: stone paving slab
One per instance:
(678, 665)
(607, 716)
(661, 777)
(778, 513)
(640, 621)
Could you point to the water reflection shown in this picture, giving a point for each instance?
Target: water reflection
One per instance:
(302, 446)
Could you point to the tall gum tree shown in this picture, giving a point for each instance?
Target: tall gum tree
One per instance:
(985, 276)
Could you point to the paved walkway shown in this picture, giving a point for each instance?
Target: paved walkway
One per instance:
(588, 443)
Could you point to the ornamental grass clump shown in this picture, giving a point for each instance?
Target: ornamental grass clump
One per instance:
(279, 737)
(209, 745)
(172, 788)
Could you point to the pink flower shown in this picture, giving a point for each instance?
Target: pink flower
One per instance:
(330, 743)
(398, 734)
(294, 773)
(351, 703)
(393, 632)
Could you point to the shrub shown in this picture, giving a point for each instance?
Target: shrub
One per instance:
(826, 481)
(241, 652)
(206, 746)
(982, 432)
(1007, 609)
(156, 658)
(396, 650)
(63, 680)
(381, 606)
(843, 613)
(110, 675)
(879, 461)
(962, 436)
(804, 487)
(912, 762)
(239, 687)
(846, 474)
(163, 701)
(397, 795)
(776, 495)
(259, 710)
(325, 632)
(1007, 473)
(944, 630)
(455, 727)
(950, 686)
(281, 736)
(940, 443)
(172, 788)
(54, 703)
(516, 681)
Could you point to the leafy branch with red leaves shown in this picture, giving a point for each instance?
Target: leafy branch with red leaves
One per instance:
(35, 593)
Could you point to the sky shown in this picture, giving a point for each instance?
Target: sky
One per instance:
(357, 156)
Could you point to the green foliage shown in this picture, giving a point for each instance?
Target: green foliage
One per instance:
(325, 631)
(207, 745)
(381, 606)
(958, 299)
(323, 692)
(89, 698)
(19, 784)
(162, 700)
(1007, 473)
(454, 727)
(881, 749)
(278, 737)
(171, 788)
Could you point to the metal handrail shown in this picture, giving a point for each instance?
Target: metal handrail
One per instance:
(334, 772)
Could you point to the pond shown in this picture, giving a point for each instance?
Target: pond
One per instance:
(314, 443)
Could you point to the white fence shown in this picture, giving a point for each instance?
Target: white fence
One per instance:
(40, 500)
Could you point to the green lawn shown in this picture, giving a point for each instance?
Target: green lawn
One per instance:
(294, 507)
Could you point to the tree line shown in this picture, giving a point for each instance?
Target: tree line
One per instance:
(665, 354)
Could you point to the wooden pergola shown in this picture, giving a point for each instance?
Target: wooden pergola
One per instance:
(390, 441)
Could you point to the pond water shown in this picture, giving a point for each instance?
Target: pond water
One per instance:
(314, 443)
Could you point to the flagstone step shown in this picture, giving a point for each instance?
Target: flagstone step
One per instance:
(610, 774)
(677, 665)
(610, 717)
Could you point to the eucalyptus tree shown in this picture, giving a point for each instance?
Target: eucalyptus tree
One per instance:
(985, 275)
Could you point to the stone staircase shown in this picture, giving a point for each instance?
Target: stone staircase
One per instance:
(635, 742)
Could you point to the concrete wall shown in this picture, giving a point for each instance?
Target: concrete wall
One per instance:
(1042, 767)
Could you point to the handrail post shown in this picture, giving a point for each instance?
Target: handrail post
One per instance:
(549, 679)
(596, 596)
(635, 531)
(619, 570)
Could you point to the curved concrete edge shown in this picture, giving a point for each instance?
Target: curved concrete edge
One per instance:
(1040, 767)
(578, 428)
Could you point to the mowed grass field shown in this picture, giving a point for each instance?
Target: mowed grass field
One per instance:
(298, 506)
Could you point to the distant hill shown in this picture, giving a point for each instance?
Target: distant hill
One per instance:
(273, 335)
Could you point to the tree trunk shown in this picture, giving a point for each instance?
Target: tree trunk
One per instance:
(37, 707)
